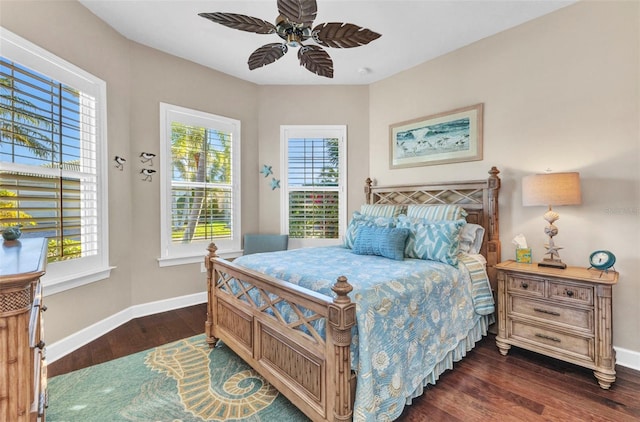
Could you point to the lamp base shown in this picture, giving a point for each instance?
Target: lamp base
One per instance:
(552, 263)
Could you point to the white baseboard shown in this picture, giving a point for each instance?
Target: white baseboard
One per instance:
(76, 340)
(624, 357)
(627, 358)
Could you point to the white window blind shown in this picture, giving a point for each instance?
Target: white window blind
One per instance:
(48, 180)
(201, 190)
(200, 204)
(52, 148)
(313, 189)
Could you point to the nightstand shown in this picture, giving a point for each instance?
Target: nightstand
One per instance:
(564, 314)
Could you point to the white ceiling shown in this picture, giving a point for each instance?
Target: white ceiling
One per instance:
(412, 33)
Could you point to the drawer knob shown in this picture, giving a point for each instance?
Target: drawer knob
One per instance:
(43, 308)
(569, 293)
(40, 345)
(524, 285)
(546, 337)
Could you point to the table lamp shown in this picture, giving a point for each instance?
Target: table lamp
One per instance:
(551, 189)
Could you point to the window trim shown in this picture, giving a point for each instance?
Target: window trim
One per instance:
(66, 275)
(313, 131)
(170, 253)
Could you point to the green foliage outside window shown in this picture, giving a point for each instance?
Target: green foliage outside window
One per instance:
(201, 158)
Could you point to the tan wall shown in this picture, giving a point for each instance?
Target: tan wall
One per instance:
(137, 78)
(311, 105)
(157, 77)
(560, 92)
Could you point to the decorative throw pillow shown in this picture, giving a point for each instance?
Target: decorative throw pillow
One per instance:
(436, 212)
(358, 220)
(381, 241)
(433, 240)
(382, 210)
(471, 236)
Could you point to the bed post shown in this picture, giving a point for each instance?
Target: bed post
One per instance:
(367, 190)
(493, 244)
(342, 317)
(211, 287)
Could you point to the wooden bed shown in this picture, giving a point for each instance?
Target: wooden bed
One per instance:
(311, 370)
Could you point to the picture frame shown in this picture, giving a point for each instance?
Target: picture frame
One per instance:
(450, 137)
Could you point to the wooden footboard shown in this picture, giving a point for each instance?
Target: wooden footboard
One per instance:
(313, 371)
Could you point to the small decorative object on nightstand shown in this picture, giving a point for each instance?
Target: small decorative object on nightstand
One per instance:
(11, 234)
(551, 189)
(562, 313)
(602, 260)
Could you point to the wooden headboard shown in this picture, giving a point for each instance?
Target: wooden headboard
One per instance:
(478, 197)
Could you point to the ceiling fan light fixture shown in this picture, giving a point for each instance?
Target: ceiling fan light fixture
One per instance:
(293, 25)
(293, 40)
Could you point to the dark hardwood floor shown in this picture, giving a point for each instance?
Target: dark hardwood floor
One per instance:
(135, 336)
(485, 386)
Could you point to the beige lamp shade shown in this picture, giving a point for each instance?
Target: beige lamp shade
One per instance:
(551, 189)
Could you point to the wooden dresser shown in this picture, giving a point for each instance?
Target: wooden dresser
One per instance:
(565, 314)
(22, 366)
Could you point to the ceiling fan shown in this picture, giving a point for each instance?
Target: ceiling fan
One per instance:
(293, 25)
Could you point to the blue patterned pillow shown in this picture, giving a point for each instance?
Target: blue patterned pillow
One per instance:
(358, 220)
(433, 240)
(381, 241)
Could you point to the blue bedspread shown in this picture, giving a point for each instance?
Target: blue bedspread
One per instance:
(410, 314)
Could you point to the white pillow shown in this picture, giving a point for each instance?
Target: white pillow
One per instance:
(471, 237)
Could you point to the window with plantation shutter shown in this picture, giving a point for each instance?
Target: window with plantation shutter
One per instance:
(51, 153)
(200, 189)
(313, 184)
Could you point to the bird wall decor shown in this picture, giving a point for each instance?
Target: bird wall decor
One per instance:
(148, 174)
(119, 162)
(293, 25)
(147, 157)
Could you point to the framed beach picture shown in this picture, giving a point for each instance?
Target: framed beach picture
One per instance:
(450, 137)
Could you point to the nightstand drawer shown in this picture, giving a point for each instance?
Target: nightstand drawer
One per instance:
(526, 286)
(572, 317)
(581, 346)
(571, 293)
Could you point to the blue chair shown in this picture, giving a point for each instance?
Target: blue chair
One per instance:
(255, 243)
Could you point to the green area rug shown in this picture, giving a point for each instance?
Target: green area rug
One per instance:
(183, 381)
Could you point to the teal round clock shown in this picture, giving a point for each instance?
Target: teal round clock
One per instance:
(602, 260)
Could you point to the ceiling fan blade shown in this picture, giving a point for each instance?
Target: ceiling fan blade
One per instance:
(266, 54)
(298, 11)
(316, 60)
(241, 22)
(343, 35)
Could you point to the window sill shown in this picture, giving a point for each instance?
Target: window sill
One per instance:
(193, 259)
(59, 284)
(296, 243)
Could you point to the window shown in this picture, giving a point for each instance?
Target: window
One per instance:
(52, 150)
(313, 184)
(200, 184)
